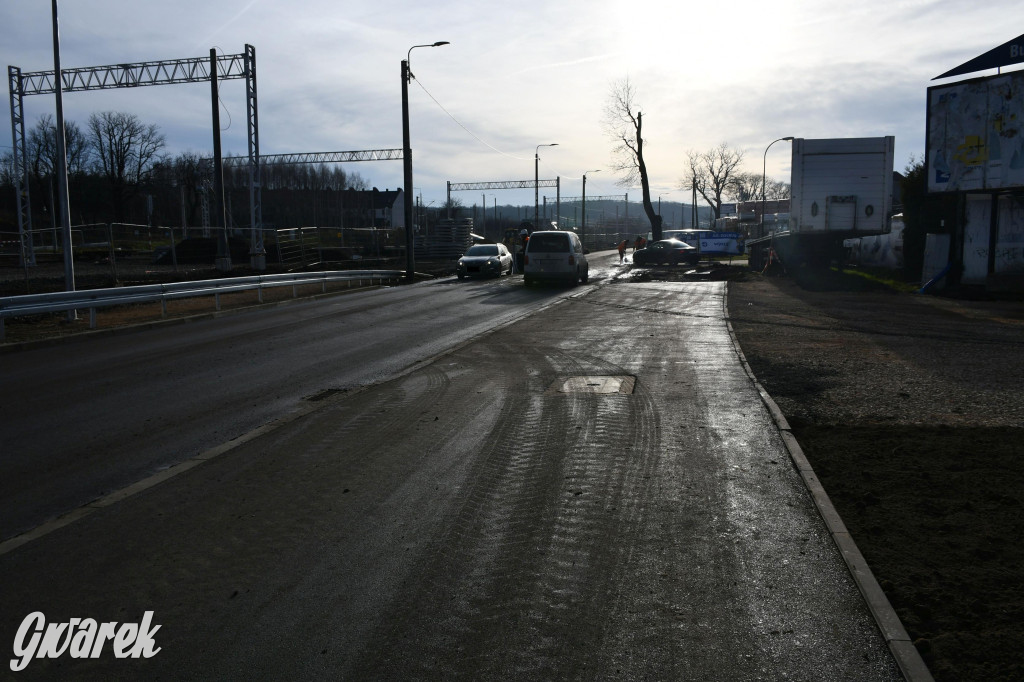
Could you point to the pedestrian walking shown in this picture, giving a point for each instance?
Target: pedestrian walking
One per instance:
(622, 249)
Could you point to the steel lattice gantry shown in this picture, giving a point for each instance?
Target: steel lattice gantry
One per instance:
(138, 74)
(326, 157)
(505, 184)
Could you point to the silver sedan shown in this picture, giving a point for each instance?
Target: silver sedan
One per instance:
(484, 260)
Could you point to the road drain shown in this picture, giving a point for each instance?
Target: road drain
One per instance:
(592, 384)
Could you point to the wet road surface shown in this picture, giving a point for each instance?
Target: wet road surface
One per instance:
(81, 419)
(474, 519)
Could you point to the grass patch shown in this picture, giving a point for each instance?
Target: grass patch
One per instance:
(885, 277)
(834, 279)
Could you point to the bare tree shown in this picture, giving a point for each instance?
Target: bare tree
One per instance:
(712, 174)
(42, 147)
(745, 187)
(777, 189)
(7, 170)
(125, 150)
(623, 123)
(749, 186)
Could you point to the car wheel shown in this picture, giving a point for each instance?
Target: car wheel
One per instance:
(527, 280)
(586, 275)
(461, 276)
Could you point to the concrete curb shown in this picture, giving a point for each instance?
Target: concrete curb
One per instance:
(903, 650)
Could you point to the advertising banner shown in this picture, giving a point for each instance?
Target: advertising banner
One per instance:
(975, 139)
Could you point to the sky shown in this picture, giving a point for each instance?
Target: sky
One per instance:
(520, 74)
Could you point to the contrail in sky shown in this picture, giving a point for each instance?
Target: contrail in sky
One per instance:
(230, 21)
(556, 65)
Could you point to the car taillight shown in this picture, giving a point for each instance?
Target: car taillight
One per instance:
(526, 259)
(572, 259)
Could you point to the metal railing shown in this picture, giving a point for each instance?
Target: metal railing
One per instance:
(91, 299)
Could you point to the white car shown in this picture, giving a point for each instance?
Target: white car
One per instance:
(484, 260)
(555, 256)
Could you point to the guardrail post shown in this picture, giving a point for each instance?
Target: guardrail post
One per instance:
(3, 330)
(259, 292)
(216, 299)
(163, 306)
(113, 253)
(92, 318)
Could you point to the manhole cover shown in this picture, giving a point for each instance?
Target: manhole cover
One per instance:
(592, 384)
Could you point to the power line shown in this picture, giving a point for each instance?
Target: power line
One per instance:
(459, 123)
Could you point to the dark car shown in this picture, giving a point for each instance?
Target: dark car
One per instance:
(485, 260)
(671, 251)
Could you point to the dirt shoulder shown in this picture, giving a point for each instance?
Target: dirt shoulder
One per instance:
(910, 408)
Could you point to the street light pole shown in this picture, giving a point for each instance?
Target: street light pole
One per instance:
(410, 253)
(584, 211)
(536, 183)
(764, 177)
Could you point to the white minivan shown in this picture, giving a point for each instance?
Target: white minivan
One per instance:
(555, 255)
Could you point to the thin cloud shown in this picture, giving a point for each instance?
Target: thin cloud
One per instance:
(562, 65)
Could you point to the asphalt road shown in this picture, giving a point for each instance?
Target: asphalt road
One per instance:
(488, 515)
(86, 418)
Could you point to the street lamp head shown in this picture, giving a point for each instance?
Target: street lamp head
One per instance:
(536, 151)
(408, 55)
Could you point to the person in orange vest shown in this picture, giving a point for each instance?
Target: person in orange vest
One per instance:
(622, 249)
(639, 243)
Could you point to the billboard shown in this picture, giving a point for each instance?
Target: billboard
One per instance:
(975, 138)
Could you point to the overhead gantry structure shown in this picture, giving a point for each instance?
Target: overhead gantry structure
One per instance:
(504, 184)
(133, 75)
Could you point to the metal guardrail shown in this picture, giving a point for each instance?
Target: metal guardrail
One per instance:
(91, 299)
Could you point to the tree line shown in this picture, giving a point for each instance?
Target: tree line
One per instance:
(118, 171)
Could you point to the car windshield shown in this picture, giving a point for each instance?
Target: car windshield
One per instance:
(483, 250)
(549, 243)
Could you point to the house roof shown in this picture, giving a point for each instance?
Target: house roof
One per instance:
(372, 198)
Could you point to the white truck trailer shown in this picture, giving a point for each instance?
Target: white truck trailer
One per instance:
(841, 188)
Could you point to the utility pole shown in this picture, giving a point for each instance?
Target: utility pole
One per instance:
(62, 167)
(223, 263)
